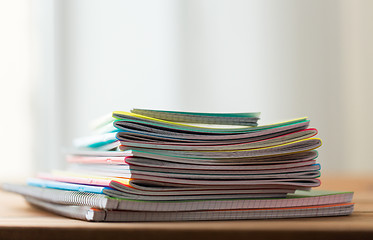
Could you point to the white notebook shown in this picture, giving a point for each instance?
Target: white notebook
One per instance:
(297, 199)
(98, 215)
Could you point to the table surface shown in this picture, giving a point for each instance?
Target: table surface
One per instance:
(18, 220)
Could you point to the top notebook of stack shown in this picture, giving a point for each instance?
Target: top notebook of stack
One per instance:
(175, 162)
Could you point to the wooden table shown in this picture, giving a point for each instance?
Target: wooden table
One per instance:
(20, 221)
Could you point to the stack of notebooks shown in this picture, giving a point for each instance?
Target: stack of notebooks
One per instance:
(152, 165)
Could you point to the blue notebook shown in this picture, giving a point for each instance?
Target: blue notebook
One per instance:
(65, 186)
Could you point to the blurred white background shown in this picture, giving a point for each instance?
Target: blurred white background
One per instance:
(66, 62)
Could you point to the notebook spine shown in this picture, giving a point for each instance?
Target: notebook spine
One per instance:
(64, 197)
(76, 212)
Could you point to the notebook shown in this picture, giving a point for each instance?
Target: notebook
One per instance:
(88, 213)
(217, 146)
(267, 162)
(141, 121)
(288, 183)
(298, 199)
(293, 147)
(198, 117)
(255, 170)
